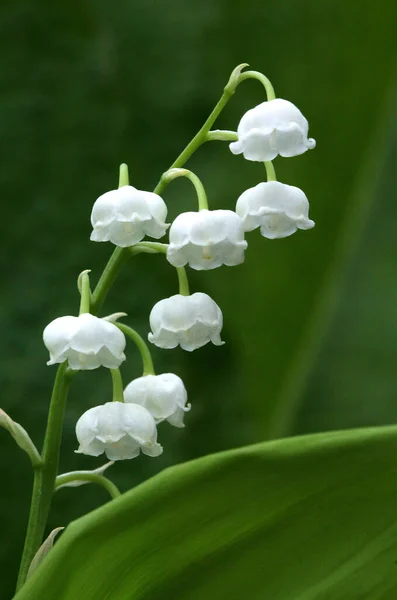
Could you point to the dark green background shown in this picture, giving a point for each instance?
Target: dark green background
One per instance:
(310, 321)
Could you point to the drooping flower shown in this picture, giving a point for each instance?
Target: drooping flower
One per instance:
(124, 216)
(120, 430)
(188, 321)
(86, 342)
(206, 240)
(272, 128)
(164, 396)
(277, 208)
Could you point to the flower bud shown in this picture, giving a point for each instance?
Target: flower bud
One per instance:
(188, 321)
(120, 430)
(272, 128)
(124, 216)
(206, 240)
(164, 396)
(87, 342)
(278, 209)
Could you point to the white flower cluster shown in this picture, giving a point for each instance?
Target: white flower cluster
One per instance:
(203, 240)
(208, 239)
(273, 128)
(120, 429)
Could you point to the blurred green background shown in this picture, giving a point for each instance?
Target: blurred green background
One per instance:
(309, 321)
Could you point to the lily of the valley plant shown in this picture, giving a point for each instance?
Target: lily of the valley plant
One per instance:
(205, 239)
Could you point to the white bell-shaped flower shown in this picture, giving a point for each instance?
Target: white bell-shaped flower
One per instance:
(187, 321)
(87, 342)
(164, 396)
(278, 209)
(120, 430)
(124, 216)
(272, 128)
(206, 240)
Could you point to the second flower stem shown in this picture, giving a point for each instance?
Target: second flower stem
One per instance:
(172, 174)
(148, 367)
(183, 281)
(270, 172)
(118, 395)
(87, 477)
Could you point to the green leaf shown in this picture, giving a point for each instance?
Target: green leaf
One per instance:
(307, 518)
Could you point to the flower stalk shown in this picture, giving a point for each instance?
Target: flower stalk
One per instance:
(148, 367)
(117, 385)
(222, 135)
(81, 477)
(183, 281)
(124, 178)
(172, 174)
(45, 474)
(270, 172)
(270, 93)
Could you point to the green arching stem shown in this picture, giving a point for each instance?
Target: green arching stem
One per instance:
(124, 178)
(83, 476)
(148, 368)
(183, 281)
(270, 172)
(172, 174)
(44, 476)
(262, 78)
(85, 299)
(118, 393)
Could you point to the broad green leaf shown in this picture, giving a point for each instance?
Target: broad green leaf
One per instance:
(307, 518)
(354, 377)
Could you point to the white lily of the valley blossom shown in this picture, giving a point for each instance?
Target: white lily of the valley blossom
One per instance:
(206, 240)
(120, 430)
(124, 216)
(272, 128)
(187, 321)
(164, 396)
(277, 208)
(87, 342)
